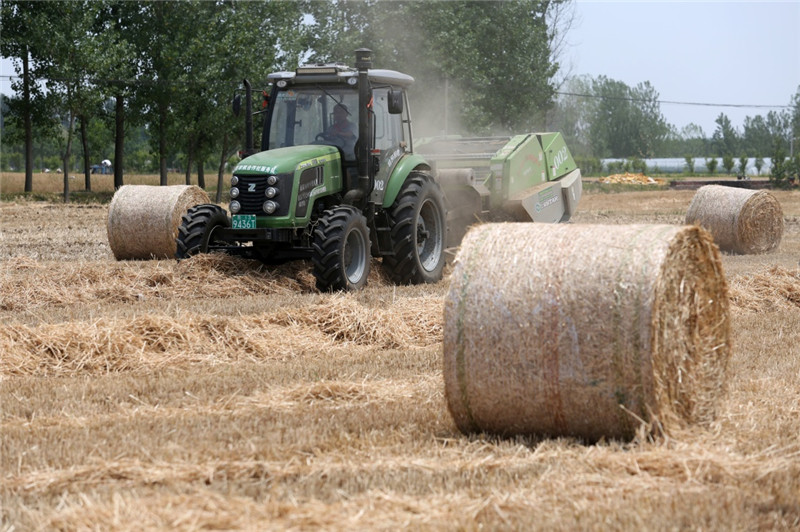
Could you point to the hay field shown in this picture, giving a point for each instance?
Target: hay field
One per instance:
(219, 394)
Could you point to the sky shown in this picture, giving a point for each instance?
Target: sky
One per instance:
(712, 52)
(731, 52)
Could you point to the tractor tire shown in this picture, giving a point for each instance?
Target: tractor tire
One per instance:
(341, 256)
(196, 231)
(418, 232)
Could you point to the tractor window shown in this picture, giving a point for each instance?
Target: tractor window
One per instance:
(388, 128)
(309, 116)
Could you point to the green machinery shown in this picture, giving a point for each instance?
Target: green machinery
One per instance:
(338, 181)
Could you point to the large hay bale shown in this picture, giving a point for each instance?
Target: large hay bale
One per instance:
(585, 330)
(143, 220)
(740, 220)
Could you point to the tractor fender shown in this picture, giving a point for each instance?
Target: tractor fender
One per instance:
(405, 166)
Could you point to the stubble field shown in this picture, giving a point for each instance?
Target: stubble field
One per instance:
(220, 394)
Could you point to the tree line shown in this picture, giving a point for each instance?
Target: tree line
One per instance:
(605, 118)
(148, 84)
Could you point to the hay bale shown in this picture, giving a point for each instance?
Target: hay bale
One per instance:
(740, 220)
(143, 220)
(568, 330)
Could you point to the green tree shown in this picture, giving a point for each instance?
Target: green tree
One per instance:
(743, 165)
(625, 121)
(459, 54)
(689, 164)
(779, 171)
(756, 135)
(26, 28)
(68, 58)
(711, 165)
(728, 163)
(725, 140)
(759, 164)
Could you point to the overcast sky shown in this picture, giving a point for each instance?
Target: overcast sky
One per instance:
(731, 52)
(714, 52)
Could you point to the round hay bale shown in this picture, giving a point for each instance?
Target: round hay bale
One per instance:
(143, 220)
(740, 220)
(585, 331)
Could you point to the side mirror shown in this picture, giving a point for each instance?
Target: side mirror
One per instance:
(395, 102)
(237, 105)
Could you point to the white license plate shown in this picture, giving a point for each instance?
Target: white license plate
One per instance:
(243, 221)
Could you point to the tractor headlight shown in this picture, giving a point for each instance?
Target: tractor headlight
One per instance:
(234, 181)
(270, 206)
(271, 180)
(235, 207)
(234, 192)
(271, 192)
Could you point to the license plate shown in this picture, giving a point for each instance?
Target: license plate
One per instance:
(243, 221)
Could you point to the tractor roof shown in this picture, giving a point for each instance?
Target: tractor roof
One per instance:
(337, 72)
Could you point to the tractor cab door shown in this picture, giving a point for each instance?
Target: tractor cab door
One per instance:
(389, 139)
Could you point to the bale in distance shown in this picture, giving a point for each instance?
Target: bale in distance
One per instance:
(143, 220)
(741, 221)
(585, 331)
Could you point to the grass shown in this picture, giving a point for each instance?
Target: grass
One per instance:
(221, 394)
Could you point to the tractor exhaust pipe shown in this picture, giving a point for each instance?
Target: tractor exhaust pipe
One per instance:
(248, 117)
(363, 155)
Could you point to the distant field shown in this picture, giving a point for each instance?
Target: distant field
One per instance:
(53, 182)
(220, 394)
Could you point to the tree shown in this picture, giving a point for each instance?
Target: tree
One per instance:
(743, 164)
(71, 53)
(689, 164)
(759, 164)
(117, 28)
(625, 122)
(728, 163)
(25, 34)
(458, 53)
(756, 135)
(711, 165)
(725, 140)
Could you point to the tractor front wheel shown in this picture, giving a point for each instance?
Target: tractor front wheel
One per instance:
(417, 231)
(341, 256)
(196, 232)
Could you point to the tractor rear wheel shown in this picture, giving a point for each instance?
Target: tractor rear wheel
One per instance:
(341, 256)
(417, 231)
(196, 232)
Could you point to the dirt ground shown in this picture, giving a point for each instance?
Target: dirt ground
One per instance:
(221, 394)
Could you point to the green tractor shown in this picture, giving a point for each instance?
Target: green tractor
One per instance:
(337, 181)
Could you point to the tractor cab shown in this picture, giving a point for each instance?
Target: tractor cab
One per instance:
(319, 105)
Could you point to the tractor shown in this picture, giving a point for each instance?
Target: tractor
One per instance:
(337, 181)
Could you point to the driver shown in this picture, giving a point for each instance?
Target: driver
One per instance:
(342, 132)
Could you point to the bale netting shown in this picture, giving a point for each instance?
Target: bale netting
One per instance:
(586, 331)
(741, 221)
(143, 220)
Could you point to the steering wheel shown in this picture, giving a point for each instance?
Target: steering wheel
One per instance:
(323, 136)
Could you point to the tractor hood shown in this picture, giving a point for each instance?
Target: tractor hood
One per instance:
(286, 160)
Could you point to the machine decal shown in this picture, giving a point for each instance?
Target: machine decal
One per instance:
(560, 158)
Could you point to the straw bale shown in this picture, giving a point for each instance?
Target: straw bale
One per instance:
(585, 331)
(741, 221)
(143, 220)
